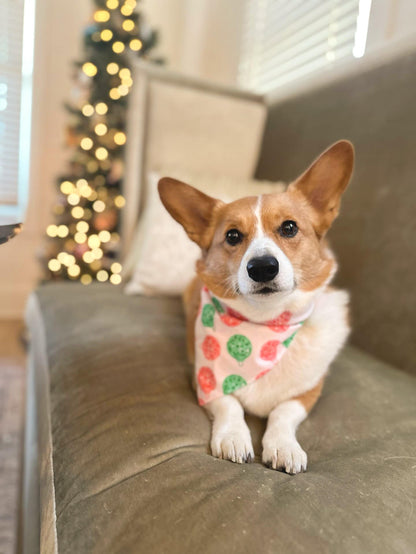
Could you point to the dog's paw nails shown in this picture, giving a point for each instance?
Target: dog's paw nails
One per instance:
(287, 456)
(235, 446)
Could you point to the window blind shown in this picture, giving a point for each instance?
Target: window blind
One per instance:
(284, 40)
(11, 38)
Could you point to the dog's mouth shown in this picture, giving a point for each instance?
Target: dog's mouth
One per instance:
(265, 291)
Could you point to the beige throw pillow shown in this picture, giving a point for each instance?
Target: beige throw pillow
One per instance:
(162, 258)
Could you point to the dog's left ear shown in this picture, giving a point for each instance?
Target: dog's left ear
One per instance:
(323, 183)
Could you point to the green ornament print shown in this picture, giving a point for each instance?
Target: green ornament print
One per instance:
(239, 347)
(232, 383)
(217, 305)
(289, 340)
(207, 317)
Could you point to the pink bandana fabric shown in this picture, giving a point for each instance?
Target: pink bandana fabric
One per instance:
(232, 352)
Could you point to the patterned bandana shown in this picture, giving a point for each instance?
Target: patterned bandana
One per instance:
(232, 352)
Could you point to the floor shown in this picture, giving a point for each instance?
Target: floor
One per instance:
(12, 390)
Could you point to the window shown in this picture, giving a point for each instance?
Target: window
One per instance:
(284, 40)
(16, 57)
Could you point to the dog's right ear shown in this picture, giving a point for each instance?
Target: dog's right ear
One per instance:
(193, 209)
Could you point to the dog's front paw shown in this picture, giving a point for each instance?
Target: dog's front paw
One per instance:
(285, 456)
(233, 444)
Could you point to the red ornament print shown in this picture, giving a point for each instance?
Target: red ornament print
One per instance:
(281, 323)
(268, 351)
(262, 373)
(211, 347)
(237, 315)
(230, 320)
(206, 380)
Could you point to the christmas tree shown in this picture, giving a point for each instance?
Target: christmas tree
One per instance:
(83, 243)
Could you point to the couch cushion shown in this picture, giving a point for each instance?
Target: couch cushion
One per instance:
(131, 466)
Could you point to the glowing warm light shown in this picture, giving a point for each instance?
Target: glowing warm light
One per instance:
(128, 25)
(112, 69)
(123, 90)
(93, 241)
(86, 279)
(116, 267)
(101, 16)
(131, 3)
(86, 191)
(119, 201)
(114, 94)
(125, 73)
(69, 260)
(104, 236)
(101, 108)
(118, 47)
(74, 270)
(81, 183)
(88, 257)
(100, 129)
(63, 231)
(102, 275)
(80, 238)
(112, 4)
(67, 187)
(77, 212)
(126, 10)
(52, 230)
(86, 143)
(62, 257)
(101, 153)
(115, 279)
(97, 253)
(127, 81)
(98, 206)
(82, 226)
(73, 199)
(106, 35)
(54, 265)
(120, 138)
(135, 44)
(88, 110)
(93, 196)
(89, 69)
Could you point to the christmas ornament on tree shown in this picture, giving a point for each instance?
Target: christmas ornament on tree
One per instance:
(84, 242)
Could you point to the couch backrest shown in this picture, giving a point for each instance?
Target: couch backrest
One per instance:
(177, 122)
(375, 235)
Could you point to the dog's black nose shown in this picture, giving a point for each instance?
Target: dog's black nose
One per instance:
(263, 269)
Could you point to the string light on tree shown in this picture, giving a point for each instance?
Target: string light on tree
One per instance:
(83, 242)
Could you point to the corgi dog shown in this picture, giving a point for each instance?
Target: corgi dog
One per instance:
(263, 324)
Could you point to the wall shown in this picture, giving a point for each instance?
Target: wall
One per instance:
(390, 20)
(58, 25)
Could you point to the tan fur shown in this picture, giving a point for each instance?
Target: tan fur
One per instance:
(287, 393)
(309, 399)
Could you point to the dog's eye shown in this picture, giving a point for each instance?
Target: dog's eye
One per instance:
(288, 229)
(233, 237)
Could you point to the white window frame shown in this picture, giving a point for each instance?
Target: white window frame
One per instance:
(14, 213)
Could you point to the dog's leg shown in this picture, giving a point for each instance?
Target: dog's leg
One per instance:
(281, 450)
(230, 438)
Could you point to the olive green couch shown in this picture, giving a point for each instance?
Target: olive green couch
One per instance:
(117, 457)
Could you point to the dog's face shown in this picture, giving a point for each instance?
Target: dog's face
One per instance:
(263, 248)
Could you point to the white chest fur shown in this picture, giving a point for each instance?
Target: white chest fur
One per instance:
(307, 360)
